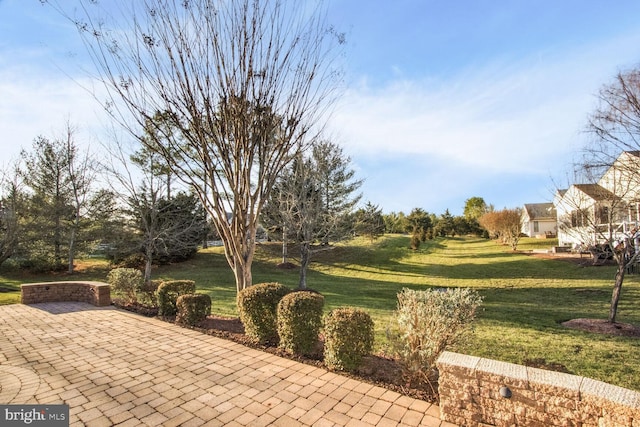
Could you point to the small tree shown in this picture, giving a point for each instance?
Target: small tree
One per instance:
(505, 225)
(475, 207)
(160, 229)
(368, 221)
(311, 202)
(419, 222)
(615, 123)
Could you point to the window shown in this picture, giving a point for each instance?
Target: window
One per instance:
(603, 214)
(536, 227)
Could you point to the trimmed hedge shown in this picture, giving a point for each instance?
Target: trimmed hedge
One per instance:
(192, 308)
(299, 321)
(125, 282)
(257, 306)
(168, 293)
(348, 337)
(147, 293)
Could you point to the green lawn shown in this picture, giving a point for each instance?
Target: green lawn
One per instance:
(525, 298)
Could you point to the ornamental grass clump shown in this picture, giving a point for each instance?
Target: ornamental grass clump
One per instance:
(348, 338)
(192, 308)
(427, 322)
(257, 307)
(168, 293)
(299, 321)
(125, 283)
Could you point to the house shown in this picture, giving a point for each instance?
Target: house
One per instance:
(539, 220)
(596, 213)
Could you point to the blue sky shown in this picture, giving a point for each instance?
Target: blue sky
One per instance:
(444, 100)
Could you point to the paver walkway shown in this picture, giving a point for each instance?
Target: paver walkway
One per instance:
(117, 368)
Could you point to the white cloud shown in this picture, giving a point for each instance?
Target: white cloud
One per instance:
(37, 102)
(502, 117)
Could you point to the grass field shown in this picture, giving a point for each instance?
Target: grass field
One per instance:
(525, 297)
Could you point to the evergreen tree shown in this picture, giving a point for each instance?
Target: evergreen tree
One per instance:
(338, 187)
(369, 221)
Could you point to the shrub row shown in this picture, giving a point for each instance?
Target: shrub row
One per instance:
(129, 284)
(168, 293)
(425, 323)
(271, 312)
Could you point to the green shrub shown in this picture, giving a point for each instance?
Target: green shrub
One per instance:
(257, 306)
(348, 337)
(125, 282)
(299, 321)
(168, 293)
(135, 260)
(147, 293)
(429, 321)
(414, 243)
(192, 308)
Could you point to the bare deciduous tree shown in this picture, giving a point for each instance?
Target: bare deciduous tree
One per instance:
(158, 225)
(312, 201)
(246, 83)
(604, 211)
(82, 170)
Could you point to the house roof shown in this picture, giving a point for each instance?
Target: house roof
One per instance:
(538, 211)
(595, 191)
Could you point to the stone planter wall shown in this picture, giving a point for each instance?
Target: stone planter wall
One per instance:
(96, 293)
(483, 392)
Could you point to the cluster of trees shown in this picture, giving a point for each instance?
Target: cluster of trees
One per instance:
(52, 211)
(243, 85)
(422, 225)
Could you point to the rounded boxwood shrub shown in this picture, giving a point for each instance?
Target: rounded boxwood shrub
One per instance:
(192, 308)
(299, 321)
(147, 293)
(168, 293)
(257, 306)
(348, 337)
(125, 282)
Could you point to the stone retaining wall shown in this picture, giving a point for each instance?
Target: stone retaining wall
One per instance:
(483, 392)
(96, 293)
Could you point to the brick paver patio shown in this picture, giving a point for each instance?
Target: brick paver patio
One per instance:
(117, 368)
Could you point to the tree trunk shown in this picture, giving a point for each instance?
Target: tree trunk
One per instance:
(305, 258)
(242, 274)
(284, 246)
(72, 248)
(148, 263)
(617, 290)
